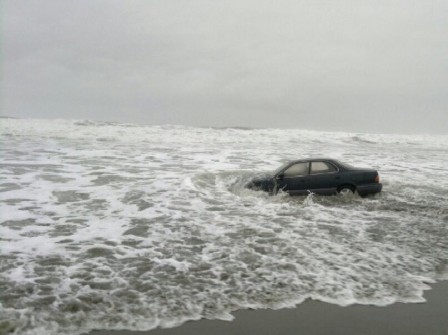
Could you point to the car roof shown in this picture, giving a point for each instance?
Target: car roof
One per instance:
(312, 159)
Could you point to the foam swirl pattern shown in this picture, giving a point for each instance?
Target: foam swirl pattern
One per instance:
(112, 226)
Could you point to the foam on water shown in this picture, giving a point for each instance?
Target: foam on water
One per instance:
(122, 226)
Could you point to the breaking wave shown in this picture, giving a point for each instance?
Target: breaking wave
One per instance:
(113, 226)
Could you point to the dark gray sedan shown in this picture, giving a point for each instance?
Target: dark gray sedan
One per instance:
(321, 176)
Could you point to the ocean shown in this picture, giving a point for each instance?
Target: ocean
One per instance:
(123, 226)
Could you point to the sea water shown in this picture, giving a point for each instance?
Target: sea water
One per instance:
(123, 226)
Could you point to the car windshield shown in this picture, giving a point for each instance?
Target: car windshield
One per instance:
(284, 165)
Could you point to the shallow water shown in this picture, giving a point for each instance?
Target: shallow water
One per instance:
(123, 226)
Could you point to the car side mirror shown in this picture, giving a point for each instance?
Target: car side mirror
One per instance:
(280, 176)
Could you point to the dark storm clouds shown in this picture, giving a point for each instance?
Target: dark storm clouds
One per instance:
(377, 66)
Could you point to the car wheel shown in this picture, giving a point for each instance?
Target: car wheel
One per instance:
(346, 190)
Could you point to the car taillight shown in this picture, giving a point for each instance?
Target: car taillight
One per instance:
(377, 178)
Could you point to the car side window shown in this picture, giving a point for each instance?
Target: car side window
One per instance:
(298, 169)
(322, 167)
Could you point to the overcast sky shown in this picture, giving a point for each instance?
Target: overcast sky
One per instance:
(349, 65)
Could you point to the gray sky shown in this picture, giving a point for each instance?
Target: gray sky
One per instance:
(350, 65)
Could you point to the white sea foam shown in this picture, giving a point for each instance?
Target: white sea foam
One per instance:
(114, 226)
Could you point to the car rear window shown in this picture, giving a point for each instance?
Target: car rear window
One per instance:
(321, 167)
(345, 165)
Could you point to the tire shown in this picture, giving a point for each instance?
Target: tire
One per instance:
(346, 190)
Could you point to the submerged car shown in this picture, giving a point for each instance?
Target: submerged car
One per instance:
(321, 176)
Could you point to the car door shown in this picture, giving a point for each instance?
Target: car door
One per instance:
(324, 177)
(294, 179)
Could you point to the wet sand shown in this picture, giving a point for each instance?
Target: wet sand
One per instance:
(318, 318)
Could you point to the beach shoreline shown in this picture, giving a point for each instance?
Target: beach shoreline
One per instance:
(319, 318)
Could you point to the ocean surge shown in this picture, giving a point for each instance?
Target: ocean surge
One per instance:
(112, 226)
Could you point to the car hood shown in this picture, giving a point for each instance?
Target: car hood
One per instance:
(263, 176)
